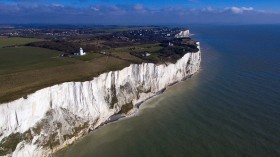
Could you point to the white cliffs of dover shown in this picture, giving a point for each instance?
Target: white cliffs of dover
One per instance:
(53, 117)
(183, 34)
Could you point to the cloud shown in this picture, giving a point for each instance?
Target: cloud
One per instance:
(95, 8)
(208, 9)
(239, 10)
(58, 5)
(138, 7)
(122, 14)
(229, 10)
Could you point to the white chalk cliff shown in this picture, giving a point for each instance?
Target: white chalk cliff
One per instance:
(54, 116)
(183, 34)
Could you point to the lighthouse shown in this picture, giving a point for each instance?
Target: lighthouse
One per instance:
(82, 53)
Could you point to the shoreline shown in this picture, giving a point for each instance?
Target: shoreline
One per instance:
(88, 104)
(134, 112)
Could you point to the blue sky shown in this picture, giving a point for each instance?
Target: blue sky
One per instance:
(139, 12)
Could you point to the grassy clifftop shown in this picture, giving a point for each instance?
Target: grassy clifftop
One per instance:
(29, 64)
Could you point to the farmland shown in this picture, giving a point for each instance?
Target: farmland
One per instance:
(30, 64)
(25, 69)
(23, 58)
(15, 41)
(22, 83)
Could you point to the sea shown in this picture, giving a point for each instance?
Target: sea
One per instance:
(231, 108)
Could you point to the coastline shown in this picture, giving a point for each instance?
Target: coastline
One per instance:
(153, 86)
(132, 113)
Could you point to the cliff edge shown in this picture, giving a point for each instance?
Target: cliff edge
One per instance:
(54, 117)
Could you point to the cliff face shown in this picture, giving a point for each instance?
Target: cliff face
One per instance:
(54, 116)
(183, 34)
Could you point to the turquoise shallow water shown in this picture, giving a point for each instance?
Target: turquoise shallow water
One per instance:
(230, 108)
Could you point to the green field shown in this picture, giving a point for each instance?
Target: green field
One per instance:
(140, 48)
(89, 56)
(23, 58)
(17, 59)
(13, 41)
(24, 69)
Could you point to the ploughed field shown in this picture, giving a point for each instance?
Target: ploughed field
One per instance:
(29, 64)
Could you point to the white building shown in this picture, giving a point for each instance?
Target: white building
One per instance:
(82, 53)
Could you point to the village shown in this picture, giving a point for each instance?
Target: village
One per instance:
(150, 43)
(137, 33)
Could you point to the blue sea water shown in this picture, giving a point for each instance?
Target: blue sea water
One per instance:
(231, 108)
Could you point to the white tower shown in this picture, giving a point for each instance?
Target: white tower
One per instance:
(82, 52)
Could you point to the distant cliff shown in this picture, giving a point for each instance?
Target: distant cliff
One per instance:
(183, 34)
(53, 117)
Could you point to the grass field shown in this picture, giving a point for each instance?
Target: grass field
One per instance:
(89, 56)
(21, 84)
(24, 70)
(17, 59)
(140, 48)
(12, 41)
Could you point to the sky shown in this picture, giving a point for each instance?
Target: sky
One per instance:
(145, 12)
